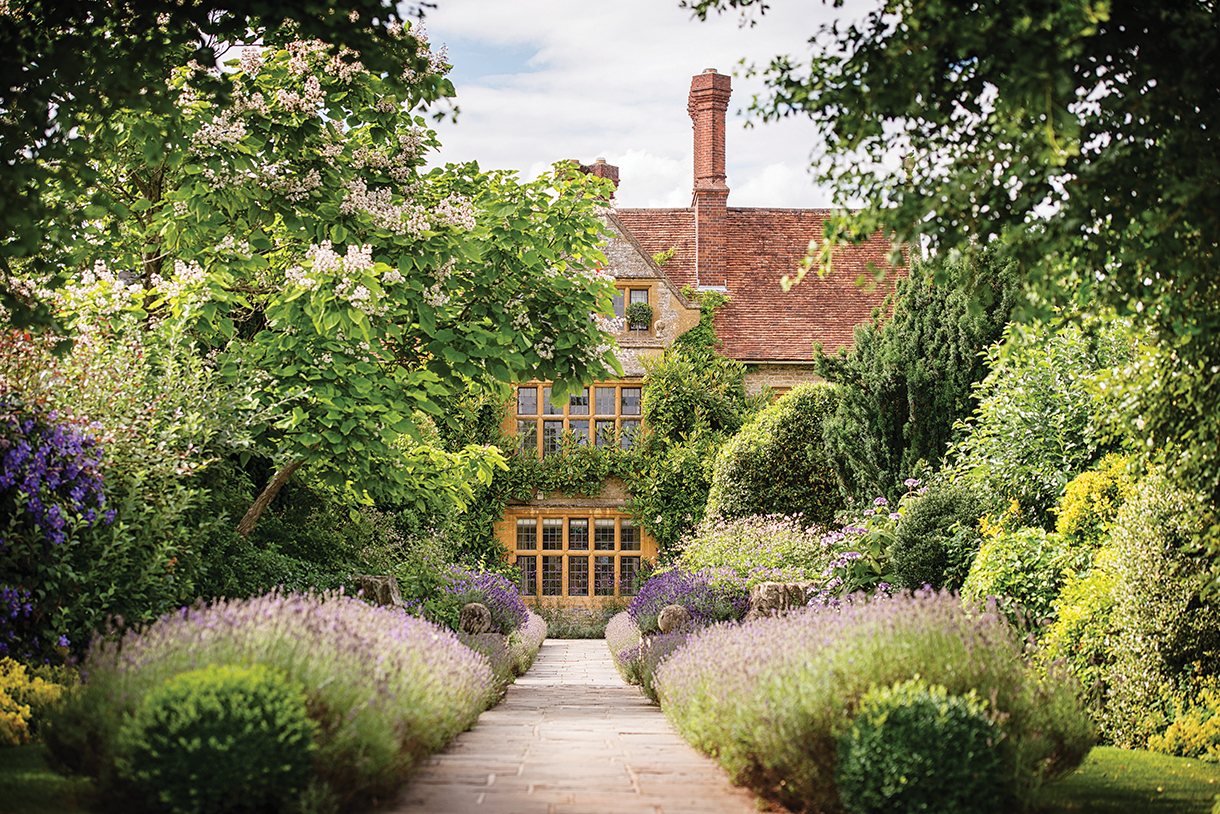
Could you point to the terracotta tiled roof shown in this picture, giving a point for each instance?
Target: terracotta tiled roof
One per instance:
(762, 322)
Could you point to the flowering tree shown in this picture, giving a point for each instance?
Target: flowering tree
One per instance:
(288, 220)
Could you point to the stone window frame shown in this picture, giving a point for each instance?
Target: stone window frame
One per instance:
(576, 573)
(544, 427)
(624, 291)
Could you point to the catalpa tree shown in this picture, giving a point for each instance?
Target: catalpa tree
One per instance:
(289, 221)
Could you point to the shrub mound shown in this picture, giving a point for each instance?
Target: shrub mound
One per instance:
(219, 739)
(769, 697)
(384, 688)
(758, 548)
(937, 539)
(777, 463)
(915, 748)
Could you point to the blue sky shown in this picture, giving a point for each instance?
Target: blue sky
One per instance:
(545, 80)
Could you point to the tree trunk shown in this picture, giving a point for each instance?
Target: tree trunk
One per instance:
(268, 494)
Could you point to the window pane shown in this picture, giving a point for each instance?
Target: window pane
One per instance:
(578, 534)
(580, 429)
(631, 401)
(527, 581)
(579, 405)
(547, 407)
(527, 432)
(605, 400)
(603, 534)
(628, 432)
(629, 568)
(552, 534)
(527, 534)
(578, 576)
(551, 432)
(639, 295)
(603, 576)
(605, 433)
(552, 576)
(618, 302)
(527, 401)
(629, 536)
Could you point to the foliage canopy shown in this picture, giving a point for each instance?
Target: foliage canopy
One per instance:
(1094, 120)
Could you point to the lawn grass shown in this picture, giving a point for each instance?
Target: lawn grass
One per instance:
(27, 786)
(1121, 781)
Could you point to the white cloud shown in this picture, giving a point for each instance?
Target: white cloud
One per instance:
(546, 80)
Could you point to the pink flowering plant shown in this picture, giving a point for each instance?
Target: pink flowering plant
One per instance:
(758, 548)
(385, 689)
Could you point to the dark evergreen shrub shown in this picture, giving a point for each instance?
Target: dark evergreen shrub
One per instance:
(938, 536)
(219, 739)
(911, 372)
(777, 463)
(915, 748)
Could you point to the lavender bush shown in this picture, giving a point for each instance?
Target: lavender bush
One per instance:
(524, 642)
(622, 635)
(640, 662)
(758, 548)
(459, 586)
(770, 697)
(710, 595)
(385, 688)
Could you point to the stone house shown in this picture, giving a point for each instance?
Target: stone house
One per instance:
(582, 550)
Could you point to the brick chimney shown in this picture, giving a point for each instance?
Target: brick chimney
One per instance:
(601, 169)
(709, 99)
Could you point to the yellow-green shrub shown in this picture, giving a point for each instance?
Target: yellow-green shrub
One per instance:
(22, 701)
(1195, 731)
(1083, 635)
(1092, 500)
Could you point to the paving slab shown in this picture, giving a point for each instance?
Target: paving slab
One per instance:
(571, 736)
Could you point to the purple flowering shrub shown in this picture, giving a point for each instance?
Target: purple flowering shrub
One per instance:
(710, 595)
(622, 635)
(524, 642)
(759, 548)
(640, 661)
(769, 698)
(385, 688)
(458, 586)
(51, 488)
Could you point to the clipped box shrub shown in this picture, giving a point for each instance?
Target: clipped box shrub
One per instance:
(385, 688)
(937, 539)
(915, 748)
(219, 739)
(777, 463)
(769, 698)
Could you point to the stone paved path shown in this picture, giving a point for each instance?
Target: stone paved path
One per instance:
(571, 736)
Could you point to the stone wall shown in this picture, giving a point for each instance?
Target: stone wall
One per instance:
(779, 376)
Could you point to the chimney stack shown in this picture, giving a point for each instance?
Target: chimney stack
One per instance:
(709, 99)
